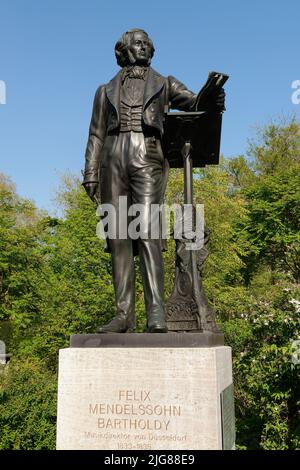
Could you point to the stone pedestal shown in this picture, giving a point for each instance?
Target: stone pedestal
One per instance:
(152, 398)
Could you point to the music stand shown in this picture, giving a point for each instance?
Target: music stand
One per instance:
(191, 139)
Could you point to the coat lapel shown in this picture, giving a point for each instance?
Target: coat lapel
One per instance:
(154, 84)
(113, 91)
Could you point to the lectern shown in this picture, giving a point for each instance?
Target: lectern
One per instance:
(192, 139)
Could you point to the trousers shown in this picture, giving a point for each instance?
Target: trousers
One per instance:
(132, 166)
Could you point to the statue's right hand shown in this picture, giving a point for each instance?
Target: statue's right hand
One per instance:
(91, 190)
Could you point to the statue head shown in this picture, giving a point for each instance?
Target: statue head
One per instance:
(134, 47)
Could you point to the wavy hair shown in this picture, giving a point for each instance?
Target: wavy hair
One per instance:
(122, 47)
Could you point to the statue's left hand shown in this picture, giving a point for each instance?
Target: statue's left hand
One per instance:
(220, 99)
(213, 101)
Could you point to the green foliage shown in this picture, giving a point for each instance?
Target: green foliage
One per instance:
(273, 225)
(27, 406)
(277, 148)
(19, 257)
(55, 280)
(266, 379)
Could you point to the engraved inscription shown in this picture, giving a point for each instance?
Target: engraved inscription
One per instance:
(134, 410)
(133, 420)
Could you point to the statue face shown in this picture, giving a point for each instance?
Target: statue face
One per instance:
(140, 49)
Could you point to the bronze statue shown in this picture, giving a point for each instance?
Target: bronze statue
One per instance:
(124, 157)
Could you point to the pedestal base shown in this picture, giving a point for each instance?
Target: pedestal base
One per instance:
(144, 340)
(152, 398)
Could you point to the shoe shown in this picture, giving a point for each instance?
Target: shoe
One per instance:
(157, 323)
(117, 325)
(157, 328)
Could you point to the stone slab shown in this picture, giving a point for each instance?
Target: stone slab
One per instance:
(141, 398)
(147, 340)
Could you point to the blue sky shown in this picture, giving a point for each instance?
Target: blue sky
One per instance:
(54, 54)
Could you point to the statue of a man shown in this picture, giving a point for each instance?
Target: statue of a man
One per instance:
(124, 158)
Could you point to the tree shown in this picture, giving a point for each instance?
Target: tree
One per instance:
(273, 201)
(19, 257)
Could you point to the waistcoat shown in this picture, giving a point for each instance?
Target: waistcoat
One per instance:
(131, 104)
